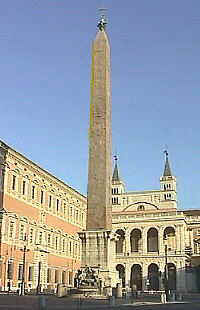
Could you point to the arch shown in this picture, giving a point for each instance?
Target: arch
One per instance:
(153, 276)
(120, 241)
(171, 269)
(152, 240)
(141, 203)
(121, 269)
(170, 236)
(136, 277)
(136, 240)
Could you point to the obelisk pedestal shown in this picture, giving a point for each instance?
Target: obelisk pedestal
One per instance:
(98, 241)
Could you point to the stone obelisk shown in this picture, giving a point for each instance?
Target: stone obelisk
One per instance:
(98, 241)
(99, 207)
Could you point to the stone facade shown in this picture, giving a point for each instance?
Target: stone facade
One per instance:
(49, 213)
(152, 232)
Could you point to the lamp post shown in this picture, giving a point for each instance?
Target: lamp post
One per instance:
(166, 271)
(25, 250)
(38, 289)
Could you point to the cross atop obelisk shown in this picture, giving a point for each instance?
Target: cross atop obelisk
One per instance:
(99, 215)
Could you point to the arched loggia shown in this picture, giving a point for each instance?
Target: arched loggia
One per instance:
(120, 241)
(121, 269)
(152, 240)
(136, 277)
(136, 240)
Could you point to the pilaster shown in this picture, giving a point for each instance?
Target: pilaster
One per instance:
(144, 240)
(127, 274)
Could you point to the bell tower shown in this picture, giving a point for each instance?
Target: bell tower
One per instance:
(118, 187)
(168, 185)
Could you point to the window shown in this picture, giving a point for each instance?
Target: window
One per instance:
(21, 232)
(50, 201)
(76, 249)
(23, 187)
(57, 204)
(10, 271)
(63, 245)
(13, 182)
(11, 229)
(40, 237)
(115, 200)
(49, 240)
(71, 211)
(31, 235)
(70, 248)
(77, 214)
(64, 209)
(30, 273)
(141, 208)
(20, 271)
(56, 243)
(33, 192)
(41, 197)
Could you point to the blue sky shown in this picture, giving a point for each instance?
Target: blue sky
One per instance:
(45, 58)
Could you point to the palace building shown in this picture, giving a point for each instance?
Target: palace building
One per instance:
(39, 219)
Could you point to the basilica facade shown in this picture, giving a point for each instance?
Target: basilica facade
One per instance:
(155, 236)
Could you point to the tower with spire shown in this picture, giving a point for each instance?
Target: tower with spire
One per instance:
(168, 185)
(118, 187)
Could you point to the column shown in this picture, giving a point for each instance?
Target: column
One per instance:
(144, 240)
(128, 243)
(182, 240)
(178, 240)
(161, 247)
(127, 274)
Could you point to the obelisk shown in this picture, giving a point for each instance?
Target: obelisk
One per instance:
(99, 205)
(98, 241)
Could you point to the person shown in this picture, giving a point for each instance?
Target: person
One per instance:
(9, 286)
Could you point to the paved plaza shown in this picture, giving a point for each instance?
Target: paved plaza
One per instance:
(8, 302)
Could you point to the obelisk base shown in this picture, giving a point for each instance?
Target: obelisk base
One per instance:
(98, 252)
